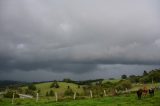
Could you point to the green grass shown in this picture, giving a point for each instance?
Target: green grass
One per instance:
(44, 87)
(122, 100)
(113, 81)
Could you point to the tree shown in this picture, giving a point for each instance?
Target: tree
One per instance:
(54, 84)
(68, 80)
(79, 86)
(145, 73)
(51, 93)
(38, 91)
(32, 87)
(108, 84)
(47, 94)
(124, 76)
(111, 78)
(124, 84)
(69, 92)
(9, 94)
(30, 92)
(155, 76)
(134, 79)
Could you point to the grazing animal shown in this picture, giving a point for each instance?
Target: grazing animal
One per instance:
(139, 93)
(151, 92)
(145, 91)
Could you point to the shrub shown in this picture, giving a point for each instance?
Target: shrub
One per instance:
(32, 87)
(9, 94)
(68, 80)
(124, 76)
(47, 94)
(51, 93)
(108, 84)
(54, 84)
(30, 92)
(20, 90)
(69, 92)
(124, 84)
(134, 79)
(38, 91)
(79, 86)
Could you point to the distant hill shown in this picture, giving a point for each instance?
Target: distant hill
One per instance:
(9, 82)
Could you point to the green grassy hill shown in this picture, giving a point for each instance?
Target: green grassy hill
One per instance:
(44, 87)
(113, 81)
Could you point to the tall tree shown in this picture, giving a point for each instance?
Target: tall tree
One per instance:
(124, 76)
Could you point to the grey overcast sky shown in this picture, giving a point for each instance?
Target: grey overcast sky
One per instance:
(78, 39)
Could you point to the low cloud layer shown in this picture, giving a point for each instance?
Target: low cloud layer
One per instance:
(78, 36)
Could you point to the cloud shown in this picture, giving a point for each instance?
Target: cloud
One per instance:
(78, 36)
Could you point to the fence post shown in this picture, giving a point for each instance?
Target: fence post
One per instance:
(56, 96)
(13, 98)
(116, 91)
(91, 94)
(126, 90)
(74, 95)
(37, 97)
(104, 92)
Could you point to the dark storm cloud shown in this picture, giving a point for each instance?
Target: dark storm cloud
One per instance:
(78, 36)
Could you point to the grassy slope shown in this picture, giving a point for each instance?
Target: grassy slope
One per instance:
(123, 100)
(44, 87)
(113, 81)
(135, 87)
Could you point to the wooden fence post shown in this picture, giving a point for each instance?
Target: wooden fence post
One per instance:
(13, 98)
(74, 95)
(105, 93)
(37, 97)
(126, 90)
(116, 91)
(91, 94)
(56, 96)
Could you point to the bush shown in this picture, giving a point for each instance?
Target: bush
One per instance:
(47, 94)
(97, 90)
(32, 87)
(108, 84)
(30, 92)
(124, 84)
(51, 93)
(69, 92)
(20, 90)
(9, 94)
(144, 79)
(54, 84)
(39, 91)
(68, 80)
(124, 76)
(134, 79)
(79, 86)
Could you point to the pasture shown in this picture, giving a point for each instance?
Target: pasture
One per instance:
(44, 87)
(122, 100)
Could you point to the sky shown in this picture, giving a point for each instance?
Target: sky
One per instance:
(44, 40)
